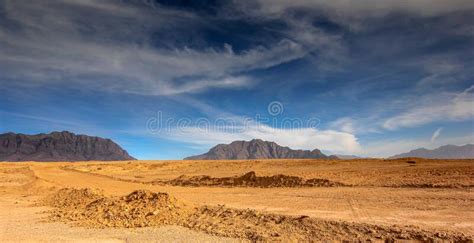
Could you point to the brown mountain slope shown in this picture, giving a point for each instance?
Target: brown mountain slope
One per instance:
(256, 149)
(443, 152)
(58, 146)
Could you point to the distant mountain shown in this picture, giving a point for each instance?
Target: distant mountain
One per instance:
(443, 152)
(58, 146)
(257, 149)
(343, 156)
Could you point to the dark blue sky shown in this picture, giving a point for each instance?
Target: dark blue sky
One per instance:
(168, 79)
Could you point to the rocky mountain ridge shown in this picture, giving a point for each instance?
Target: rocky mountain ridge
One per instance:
(257, 149)
(59, 146)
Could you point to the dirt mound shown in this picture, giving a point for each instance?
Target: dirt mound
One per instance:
(137, 209)
(250, 179)
(144, 208)
(71, 197)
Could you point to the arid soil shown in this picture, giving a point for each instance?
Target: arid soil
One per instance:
(143, 208)
(264, 200)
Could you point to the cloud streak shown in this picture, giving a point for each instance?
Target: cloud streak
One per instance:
(364, 8)
(436, 134)
(449, 107)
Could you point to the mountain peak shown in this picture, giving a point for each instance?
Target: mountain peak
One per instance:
(255, 149)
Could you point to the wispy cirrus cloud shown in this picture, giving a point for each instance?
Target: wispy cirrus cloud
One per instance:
(445, 107)
(433, 107)
(436, 134)
(65, 47)
(362, 8)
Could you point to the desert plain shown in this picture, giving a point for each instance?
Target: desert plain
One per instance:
(234, 201)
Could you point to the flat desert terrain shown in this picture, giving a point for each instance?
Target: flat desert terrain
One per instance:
(251, 200)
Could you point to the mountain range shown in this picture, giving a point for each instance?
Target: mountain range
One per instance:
(443, 152)
(257, 149)
(59, 146)
(67, 146)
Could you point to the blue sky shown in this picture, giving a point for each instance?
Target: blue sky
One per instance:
(169, 79)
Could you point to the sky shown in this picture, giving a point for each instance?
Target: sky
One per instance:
(170, 79)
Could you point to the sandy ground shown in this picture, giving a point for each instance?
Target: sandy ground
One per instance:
(430, 194)
(20, 222)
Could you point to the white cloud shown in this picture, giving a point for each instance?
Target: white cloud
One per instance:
(436, 134)
(200, 85)
(357, 125)
(301, 138)
(224, 127)
(345, 124)
(450, 107)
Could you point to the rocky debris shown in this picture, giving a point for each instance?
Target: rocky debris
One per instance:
(144, 208)
(250, 179)
(58, 146)
(316, 182)
(71, 198)
(257, 149)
